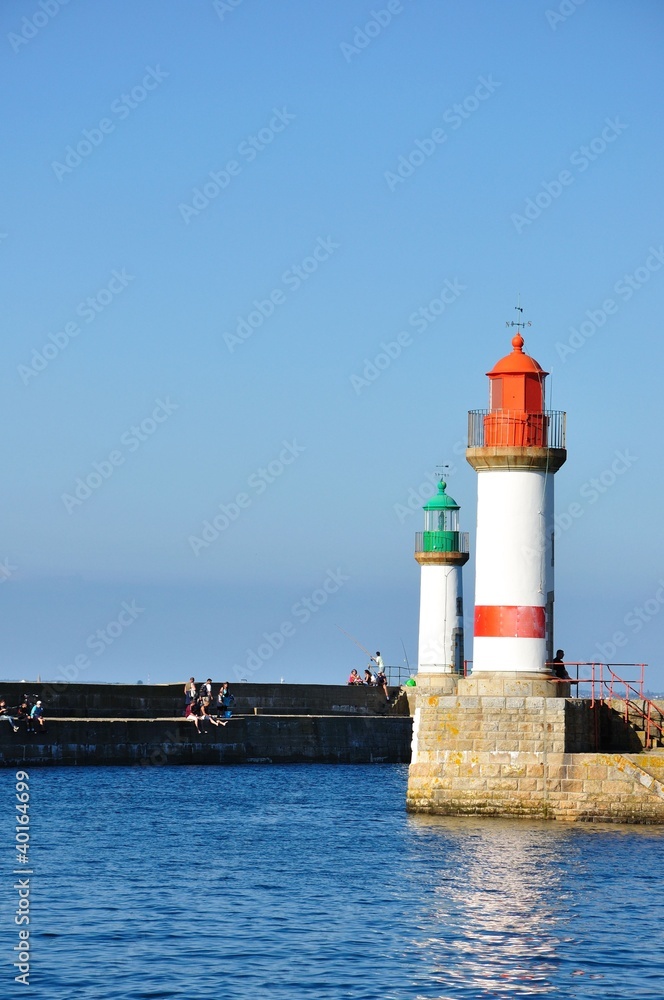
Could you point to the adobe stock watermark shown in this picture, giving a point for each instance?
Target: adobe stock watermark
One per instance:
(302, 611)
(98, 642)
(7, 570)
(224, 7)
(562, 13)
(420, 320)
(88, 310)
(591, 491)
(417, 496)
(454, 116)
(257, 483)
(247, 151)
(121, 108)
(130, 441)
(292, 279)
(635, 621)
(580, 160)
(364, 34)
(31, 25)
(625, 287)
(23, 947)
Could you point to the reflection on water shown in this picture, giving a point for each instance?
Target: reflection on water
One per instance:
(493, 911)
(505, 918)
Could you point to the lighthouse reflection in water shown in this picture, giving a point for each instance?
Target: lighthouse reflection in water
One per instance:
(498, 907)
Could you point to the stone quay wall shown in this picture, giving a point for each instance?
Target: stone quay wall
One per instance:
(596, 787)
(250, 739)
(521, 747)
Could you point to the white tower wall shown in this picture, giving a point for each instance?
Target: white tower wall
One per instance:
(441, 613)
(511, 574)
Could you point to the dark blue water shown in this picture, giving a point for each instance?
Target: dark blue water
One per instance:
(308, 881)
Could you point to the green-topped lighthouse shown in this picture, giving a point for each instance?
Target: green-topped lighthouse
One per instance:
(441, 550)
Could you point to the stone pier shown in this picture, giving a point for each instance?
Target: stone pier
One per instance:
(518, 745)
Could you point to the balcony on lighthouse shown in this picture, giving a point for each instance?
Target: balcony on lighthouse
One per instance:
(441, 525)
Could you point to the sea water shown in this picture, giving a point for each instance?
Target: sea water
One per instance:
(312, 881)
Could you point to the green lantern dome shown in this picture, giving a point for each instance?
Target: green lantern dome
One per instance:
(441, 501)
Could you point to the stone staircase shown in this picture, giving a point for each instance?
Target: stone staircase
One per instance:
(645, 718)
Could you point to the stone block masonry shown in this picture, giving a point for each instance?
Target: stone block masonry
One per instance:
(612, 788)
(508, 748)
(269, 739)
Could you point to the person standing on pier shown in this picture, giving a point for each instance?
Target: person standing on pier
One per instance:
(205, 695)
(190, 693)
(225, 700)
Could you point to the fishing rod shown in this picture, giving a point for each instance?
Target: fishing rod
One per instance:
(403, 645)
(371, 657)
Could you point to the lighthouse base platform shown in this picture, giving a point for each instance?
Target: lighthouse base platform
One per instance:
(488, 750)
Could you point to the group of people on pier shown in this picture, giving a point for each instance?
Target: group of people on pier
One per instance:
(27, 715)
(379, 679)
(201, 706)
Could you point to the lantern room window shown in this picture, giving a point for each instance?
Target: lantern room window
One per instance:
(446, 519)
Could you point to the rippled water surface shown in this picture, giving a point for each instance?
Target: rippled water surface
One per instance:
(311, 881)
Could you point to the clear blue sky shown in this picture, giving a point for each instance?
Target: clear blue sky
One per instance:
(365, 164)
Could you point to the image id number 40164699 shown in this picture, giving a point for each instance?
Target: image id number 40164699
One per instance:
(22, 844)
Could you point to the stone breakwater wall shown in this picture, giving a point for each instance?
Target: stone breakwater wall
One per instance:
(503, 747)
(254, 739)
(78, 700)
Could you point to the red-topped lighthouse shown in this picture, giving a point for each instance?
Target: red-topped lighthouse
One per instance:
(515, 446)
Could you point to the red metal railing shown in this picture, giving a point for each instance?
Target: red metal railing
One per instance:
(607, 685)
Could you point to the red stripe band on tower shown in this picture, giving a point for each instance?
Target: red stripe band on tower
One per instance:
(507, 620)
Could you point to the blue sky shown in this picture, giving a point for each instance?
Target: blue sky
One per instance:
(258, 258)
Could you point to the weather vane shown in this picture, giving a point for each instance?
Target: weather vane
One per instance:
(443, 469)
(520, 322)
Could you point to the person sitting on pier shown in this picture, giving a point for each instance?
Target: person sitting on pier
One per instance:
(381, 681)
(354, 677)
(5, 716)
(196, 712)
(369, 677)
(192, 713)
(205, 714)
(37, 715)
(558, 667)
(23, 715)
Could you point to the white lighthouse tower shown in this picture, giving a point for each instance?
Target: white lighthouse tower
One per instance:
(516, 447)
(441, 550)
